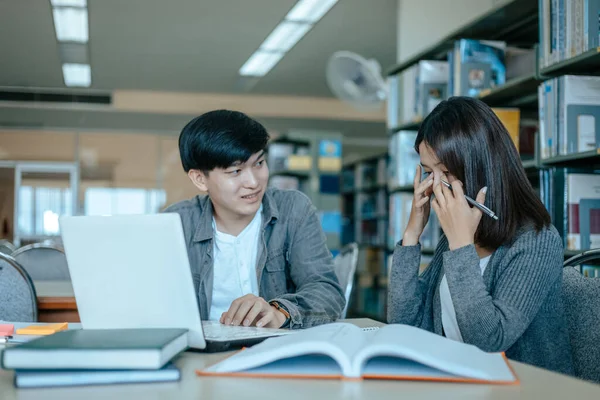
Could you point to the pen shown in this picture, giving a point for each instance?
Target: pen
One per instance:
(483, 208)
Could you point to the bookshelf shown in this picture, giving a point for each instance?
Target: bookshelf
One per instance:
(586, 63)
(516, 22)
(520, 24)
(575, 159)
(310, 161)
(517, 92)
(365, 221)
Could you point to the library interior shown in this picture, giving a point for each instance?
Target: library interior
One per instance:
(181, 180)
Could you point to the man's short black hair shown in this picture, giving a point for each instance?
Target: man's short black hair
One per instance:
(220, 138)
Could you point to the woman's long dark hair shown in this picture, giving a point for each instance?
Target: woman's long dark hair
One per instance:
(469, 139)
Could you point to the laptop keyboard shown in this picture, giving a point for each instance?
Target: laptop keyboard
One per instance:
(214, 330)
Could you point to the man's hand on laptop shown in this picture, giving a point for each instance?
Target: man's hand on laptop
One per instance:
(251, 310)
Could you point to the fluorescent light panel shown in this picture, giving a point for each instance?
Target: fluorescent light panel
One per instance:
(285, 36)
(77, 75)
(295, 25)
(310, 10)
(68, 3)
(260, 63)
(71, 24)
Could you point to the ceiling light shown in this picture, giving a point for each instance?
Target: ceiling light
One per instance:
(69, 3)
(71, 24)
(310, 10)
(77, 75)
(260, 63)
(285, 36)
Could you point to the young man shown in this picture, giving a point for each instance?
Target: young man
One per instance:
(258, 255)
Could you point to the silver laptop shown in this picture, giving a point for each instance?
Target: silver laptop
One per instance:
(133, 271)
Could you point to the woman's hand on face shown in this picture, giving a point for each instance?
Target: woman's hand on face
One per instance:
(457, 218)
(420, 210)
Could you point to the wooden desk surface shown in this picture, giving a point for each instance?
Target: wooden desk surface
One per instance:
(535, 384)
(56, 301)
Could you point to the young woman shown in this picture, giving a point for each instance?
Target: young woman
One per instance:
(495, 284)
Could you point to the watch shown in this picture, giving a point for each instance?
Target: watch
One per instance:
(281, 308)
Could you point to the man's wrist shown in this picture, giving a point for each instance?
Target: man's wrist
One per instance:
(282, 314)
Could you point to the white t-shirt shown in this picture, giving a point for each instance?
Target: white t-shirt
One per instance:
(451, 329)
(234, 266)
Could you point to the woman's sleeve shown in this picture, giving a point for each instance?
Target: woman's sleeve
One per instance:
(408, 291)
(529, 270)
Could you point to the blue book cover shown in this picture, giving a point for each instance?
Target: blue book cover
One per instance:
(482, 66)
(330, 148)
(57, 378)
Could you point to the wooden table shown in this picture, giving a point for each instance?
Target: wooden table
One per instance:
(56, 301)
(535, 384)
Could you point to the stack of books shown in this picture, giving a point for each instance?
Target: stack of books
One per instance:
(96, 357)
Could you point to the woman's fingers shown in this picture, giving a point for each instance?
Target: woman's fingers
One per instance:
(422, 202)
(421, 189)
(417, 179)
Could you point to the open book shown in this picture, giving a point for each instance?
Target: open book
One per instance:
(342, 350)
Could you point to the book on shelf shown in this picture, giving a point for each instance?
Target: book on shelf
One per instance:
(278, 155)
(510, 118)
(547, 133)
(403, 159)
(567, 29)
(406, 104)
(431, 86)
(476, 65)
(344, 351)
(366, 175)
(425, 85)
(528, 128)
(583, 211)
(372, 204)
(373, 260)
(348, 179)
(572, 197)
(569, 109)
(369, 298)
(289, 157)
(371, 232)
(382, 169)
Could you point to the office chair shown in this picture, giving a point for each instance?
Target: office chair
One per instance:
(345, 267)
(581, 297)
(43, 261)
(6, 247)
(18, 299)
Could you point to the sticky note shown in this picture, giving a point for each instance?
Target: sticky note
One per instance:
(48, 329)
(7, 329)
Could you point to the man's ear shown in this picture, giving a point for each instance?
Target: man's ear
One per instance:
(198, 178)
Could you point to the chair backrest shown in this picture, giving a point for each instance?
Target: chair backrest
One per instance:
(6, 247)
(18, 300)
(581, 297)
(345, 267)
(43, 261)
